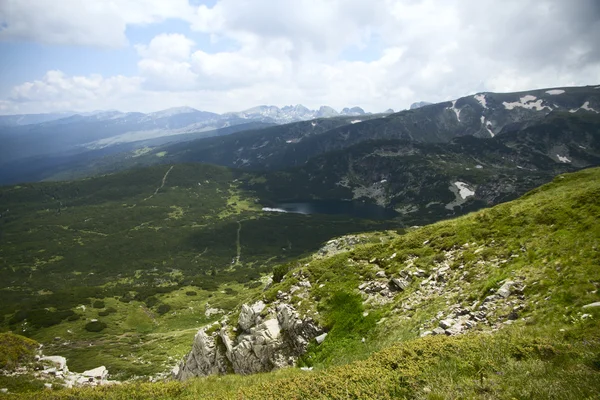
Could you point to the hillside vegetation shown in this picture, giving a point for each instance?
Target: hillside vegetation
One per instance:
(523, 271)
(147, 253)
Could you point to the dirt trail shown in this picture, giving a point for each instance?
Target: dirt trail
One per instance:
(164, 180)
(238, 244)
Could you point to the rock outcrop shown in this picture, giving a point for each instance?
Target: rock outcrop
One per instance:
(265, 339)
(54, 372)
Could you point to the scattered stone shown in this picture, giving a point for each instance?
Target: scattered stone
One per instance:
(321, 338)
(446, 323)
(380, 274)
(48, 385)
(4, 390)
(213, 311)
(426, 333)
(439, 331)
(59, 362)
(592, 305)
(420, 273)
(400, 283)
(505, 290)
(99, 373)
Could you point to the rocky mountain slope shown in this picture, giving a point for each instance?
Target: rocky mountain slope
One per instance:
(433, 179)
(506, 267)
(484, 115)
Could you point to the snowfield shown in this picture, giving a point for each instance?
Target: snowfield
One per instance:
(563, 159)
(269, 209)
(463, 190)
(456, 110)
(586, 107)
(481, 99)
(528, 102)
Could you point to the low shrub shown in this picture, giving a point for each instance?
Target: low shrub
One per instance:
(95, 326)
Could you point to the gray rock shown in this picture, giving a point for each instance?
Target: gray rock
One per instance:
(592, 305)
(446, 323)
(4, 390)
(263, 346)
(249, 314)
(99, 373)
(426, 333)
(59, 362)
(420, 273)
(321, 338)
(439, 331)
(400, 283)
(506, 289)
(380, 274)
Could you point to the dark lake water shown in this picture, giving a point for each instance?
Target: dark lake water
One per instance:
(355, 209)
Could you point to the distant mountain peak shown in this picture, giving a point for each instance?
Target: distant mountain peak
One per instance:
(326, 111)
(419, 104)
(169, 112)
(353, 111)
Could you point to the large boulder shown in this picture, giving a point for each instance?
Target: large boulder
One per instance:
(262, 345)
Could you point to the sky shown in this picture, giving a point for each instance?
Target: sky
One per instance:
(230, 55)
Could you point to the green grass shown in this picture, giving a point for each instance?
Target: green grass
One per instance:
(516, 363)
(15, 350)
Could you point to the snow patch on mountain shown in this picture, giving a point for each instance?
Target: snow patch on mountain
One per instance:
(456, 110)
(270, 209)
(463, 190)
(554, 92)
(487, 125)
(356, 121)
(563, 159)
(586, 107)
(481, 99)
(527, 101)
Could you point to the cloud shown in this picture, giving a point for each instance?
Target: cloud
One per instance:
(313, 27)
(58, 92)
(287, 52)
(82, 22)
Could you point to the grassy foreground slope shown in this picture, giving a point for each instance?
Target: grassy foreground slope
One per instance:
(548, 241)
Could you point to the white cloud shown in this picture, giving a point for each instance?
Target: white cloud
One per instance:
(292, 51)
(58, 92)
(83, 22)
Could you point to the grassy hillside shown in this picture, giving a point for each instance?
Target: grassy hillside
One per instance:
(535, 341)
(146, 253)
